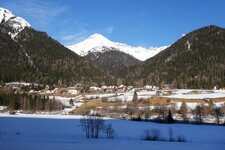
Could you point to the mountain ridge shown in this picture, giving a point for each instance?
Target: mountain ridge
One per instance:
(193, 61)
(111, 60)
(97, 42)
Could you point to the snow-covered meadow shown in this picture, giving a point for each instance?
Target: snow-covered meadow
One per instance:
(196, 94)
(56, 132)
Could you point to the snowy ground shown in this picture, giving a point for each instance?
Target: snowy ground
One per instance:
(66, 100)
(37, 132)
(125, 96)
(128, 96)
(200, 94)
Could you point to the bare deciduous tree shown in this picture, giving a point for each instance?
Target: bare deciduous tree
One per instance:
(183, 111)
(152, 135)
(198, 114)
(92, 125)
(161, 111)
(217, 112)
(130, 109)
(147, 112)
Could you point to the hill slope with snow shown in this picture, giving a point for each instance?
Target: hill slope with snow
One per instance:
(98, 43)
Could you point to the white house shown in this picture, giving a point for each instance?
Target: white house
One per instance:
(72, 91)
(94, 88)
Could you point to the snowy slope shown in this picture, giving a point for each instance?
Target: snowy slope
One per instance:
(97, 43)
(16, 24)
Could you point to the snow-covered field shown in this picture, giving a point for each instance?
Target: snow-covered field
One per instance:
(128, 96)
(37, 132)
(200, 94)
(125, 96)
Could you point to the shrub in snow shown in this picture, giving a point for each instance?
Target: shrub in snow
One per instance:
(137, 118)
(155, 135)
(109, 131)
(181, 138)
(152, 135)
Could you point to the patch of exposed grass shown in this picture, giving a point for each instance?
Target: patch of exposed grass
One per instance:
(94, 105)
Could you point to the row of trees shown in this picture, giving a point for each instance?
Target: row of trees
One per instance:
(26, 102)
(199, 112)
(142, 112)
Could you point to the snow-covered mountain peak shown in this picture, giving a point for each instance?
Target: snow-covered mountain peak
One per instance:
(5, 14)
(99, 43)
(98, 36)
(17, 24)
(94, 43)
(98, 40)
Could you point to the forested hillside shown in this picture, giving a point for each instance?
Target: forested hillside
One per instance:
(194, 61)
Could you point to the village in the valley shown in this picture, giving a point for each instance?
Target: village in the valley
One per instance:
(125, 102)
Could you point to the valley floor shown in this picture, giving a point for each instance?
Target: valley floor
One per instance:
(59, 132)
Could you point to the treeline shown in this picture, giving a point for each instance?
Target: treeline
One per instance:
(168, 114)
(30, 103)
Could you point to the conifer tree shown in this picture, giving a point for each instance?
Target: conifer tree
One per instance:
(135, 96)
(170, 117)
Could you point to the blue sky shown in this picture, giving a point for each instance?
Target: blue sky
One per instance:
(135, 22)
